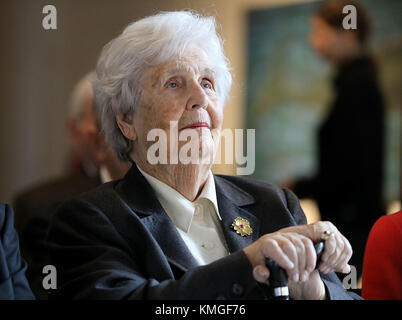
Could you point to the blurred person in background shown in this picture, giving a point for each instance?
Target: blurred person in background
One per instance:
(382, 269)
(93, 163)
(348, 185)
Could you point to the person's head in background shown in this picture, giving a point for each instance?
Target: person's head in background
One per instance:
(328, 36)
(89, 149)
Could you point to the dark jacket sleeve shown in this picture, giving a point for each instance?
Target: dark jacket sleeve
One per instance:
(334, 287)
(13, 283)
(94, 262)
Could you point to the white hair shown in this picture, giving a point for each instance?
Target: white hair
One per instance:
(145, 43)
(80, 92)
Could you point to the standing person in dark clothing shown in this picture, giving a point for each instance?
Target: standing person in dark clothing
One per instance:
(348, 186)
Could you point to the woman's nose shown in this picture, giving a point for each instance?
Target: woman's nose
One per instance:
(198, 98)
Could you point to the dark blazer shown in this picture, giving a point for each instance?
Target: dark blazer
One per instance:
(116, 242)
(13, 284)
(34, 209)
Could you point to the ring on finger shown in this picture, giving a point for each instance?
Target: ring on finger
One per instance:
(326, 235)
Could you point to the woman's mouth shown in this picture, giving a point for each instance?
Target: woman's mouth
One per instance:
(196, 125)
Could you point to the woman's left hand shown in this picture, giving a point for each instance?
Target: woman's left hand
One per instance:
(311, 289)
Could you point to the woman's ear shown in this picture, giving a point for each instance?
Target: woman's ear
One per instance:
(126, 125)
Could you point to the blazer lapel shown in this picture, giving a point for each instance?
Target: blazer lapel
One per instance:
(170, 241)
(231, 199)
(141, 198)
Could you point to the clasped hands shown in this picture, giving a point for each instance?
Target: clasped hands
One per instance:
(292, 249)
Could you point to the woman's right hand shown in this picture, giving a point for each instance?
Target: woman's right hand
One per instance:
(290, 250)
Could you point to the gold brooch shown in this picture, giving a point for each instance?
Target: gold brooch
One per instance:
(242, 226)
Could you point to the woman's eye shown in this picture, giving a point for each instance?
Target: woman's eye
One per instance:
(172, 85)
(206, 84)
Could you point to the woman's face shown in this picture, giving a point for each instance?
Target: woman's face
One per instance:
(184, 91)
(326, 40)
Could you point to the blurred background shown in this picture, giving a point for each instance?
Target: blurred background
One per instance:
(290, 90)
(278, 80)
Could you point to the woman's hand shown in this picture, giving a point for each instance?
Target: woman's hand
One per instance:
(293, 249)
(337, 251)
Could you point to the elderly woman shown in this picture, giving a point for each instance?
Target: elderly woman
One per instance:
(174, 230)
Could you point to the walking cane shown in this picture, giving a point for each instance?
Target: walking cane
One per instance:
(278, 279)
